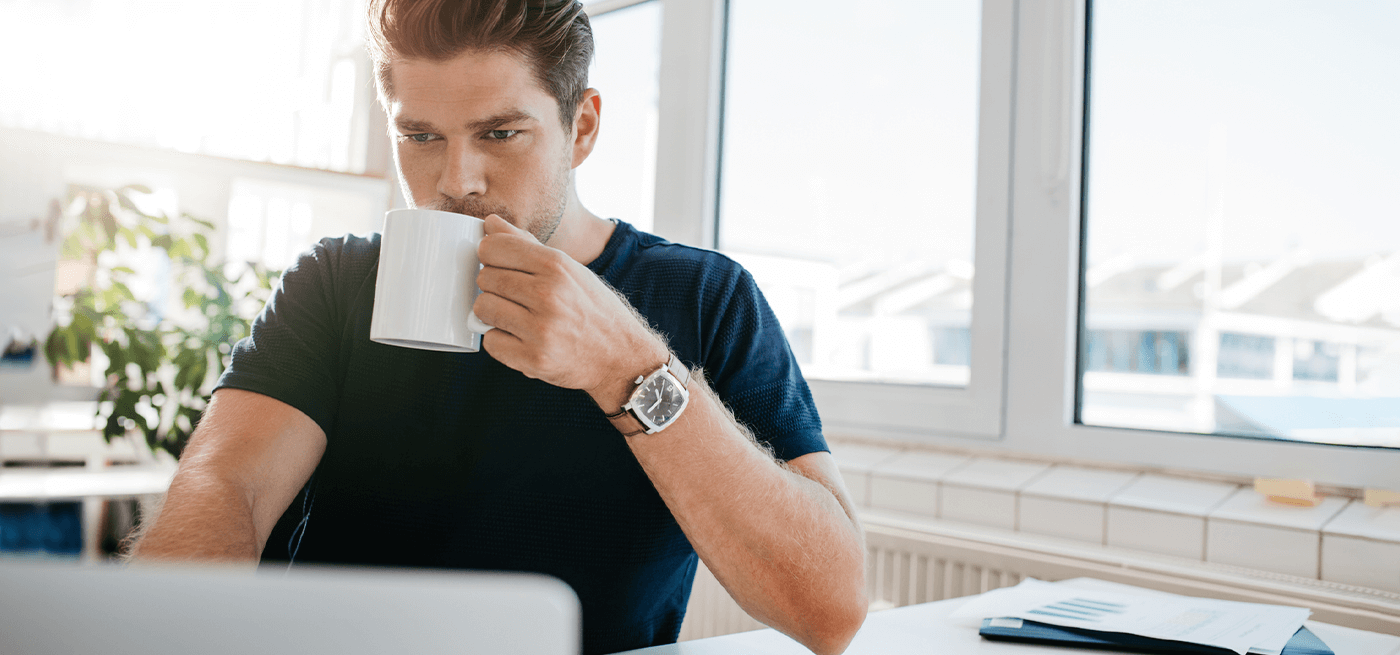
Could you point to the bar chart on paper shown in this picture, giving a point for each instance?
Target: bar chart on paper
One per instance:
(1083, 609)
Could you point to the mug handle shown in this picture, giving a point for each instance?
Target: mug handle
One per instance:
(473, 323)
(476, 325)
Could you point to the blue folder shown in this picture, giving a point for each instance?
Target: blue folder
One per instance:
(1304, 642)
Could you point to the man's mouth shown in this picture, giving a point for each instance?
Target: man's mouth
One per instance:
(472, 207)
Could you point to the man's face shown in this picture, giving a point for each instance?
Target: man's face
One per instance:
(477, 135)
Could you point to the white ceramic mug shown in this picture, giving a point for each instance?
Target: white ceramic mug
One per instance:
(427, 281)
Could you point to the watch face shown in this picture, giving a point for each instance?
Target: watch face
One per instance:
(659, 401)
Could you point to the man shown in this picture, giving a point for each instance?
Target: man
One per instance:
(521, 457)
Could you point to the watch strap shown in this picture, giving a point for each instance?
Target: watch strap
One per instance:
(627, 423)
(679, 371)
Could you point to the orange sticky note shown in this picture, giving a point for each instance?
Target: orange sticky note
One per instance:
(1381, 497)
(1289, 492)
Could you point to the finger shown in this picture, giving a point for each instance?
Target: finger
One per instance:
(516, 252)
(503, 345)
(497, 225)
(503, 314)
(519, 287)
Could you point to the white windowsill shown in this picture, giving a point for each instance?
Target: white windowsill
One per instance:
(1341, 540)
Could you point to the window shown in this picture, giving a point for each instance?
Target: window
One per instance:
(1243, 189)
(849, 178)
(1151, 352)
(207, 78)
(859, 174)
(1245, 356)
(1108, 248)
(273, 222)
(619, 178)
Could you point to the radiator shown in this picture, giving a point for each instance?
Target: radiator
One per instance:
(921, 560)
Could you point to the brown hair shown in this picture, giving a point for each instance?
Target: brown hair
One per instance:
(553, 37)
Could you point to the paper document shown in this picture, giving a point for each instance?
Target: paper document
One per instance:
(1240, 627)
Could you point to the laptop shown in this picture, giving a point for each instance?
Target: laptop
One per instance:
(64, 608)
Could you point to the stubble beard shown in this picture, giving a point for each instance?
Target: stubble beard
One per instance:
(543, 224)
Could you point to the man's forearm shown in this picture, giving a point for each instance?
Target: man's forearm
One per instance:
(781, 543)
(203, 518)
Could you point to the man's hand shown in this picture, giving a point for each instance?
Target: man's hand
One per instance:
(556, 321)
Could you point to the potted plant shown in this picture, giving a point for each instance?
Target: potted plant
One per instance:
(166, 332)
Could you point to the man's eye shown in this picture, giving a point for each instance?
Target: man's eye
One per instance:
(501, 135)
(421, 138)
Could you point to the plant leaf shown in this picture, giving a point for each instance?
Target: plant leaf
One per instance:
(124, 201)
(207, 225)
(178, 248)
(123, 291)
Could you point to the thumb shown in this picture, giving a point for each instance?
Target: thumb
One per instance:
(497, 225)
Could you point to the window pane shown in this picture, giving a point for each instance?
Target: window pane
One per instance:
(619, 179)
(848, 179)
(1243, 242)
(272, 223)
(282, 81)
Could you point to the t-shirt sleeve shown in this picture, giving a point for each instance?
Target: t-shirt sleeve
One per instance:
(750, 365)
(291, 352)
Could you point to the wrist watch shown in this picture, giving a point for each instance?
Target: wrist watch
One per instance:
(659, 398)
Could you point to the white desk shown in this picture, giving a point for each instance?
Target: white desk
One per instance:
(925, 629)
(47, 484)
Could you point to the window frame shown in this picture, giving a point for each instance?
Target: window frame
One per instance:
(1044, 314)
(1021, 399)
(691, 122)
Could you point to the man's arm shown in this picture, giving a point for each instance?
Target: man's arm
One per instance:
(248, 458)
(782, 540)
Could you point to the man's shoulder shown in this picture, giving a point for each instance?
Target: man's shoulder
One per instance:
(333, 269)
(651, 255)
(350, 247)
(348, 254)
(682, 288)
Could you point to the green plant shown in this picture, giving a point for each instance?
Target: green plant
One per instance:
(162, 361)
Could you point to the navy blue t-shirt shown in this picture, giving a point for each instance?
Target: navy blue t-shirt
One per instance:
(454, 460)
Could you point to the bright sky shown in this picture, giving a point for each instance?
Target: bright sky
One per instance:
(850, 134)
(1303, 98)
(850, 129)
(216, 78)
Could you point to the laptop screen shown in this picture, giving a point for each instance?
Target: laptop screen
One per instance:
(48, 607)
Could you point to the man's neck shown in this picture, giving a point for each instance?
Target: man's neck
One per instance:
(581, 234)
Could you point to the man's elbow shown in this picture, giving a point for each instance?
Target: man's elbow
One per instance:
(830, 622)
(839, 624)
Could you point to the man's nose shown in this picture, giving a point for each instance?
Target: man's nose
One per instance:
(464, 172)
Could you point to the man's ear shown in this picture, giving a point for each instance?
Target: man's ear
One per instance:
(586, 121)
